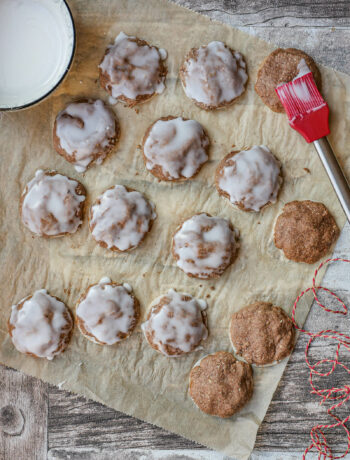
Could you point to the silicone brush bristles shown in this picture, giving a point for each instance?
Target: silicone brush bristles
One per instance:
(306, 109)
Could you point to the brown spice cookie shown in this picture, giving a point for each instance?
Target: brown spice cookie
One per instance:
(85, 132)
(52, 205)
(305, 231)
(132, 71)
(262, 333)
(213, 76)
(279, 67)
(175, 148)
(176, 324)
(220, 385)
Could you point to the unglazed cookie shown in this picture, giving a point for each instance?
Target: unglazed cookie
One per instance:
(107, 312)
(204, 246)
(176, 323)
(305, 231)
(220, 385)
(132, 71)
(52, 204)
(175, 148)
(262, 333)
(250, 179)
(121, 218)
(40, 325)
(213, 76)
(282, 66)
(84, 133)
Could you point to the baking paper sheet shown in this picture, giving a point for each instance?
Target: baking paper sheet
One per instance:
(132, 377)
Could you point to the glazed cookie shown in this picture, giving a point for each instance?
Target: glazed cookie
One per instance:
(132, 71)
(262, 333)
(40, 325)
(175, 148)
(121, 218)
(305, 231)
(282, 66)
(176, 324)
(204, 246)
(107, 312)
(213, 76)
(220, 385)
(250, 179)
(84, 133)
(52, 204)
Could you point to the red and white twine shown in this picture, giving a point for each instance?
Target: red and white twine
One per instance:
(340, 395)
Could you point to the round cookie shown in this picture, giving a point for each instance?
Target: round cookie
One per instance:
(107, 312)
(84, 133)
(220, 385)
(40, 325)
(176, 324)
(175, 148)
(213, 76)
(121, 218)
(132, 71)
(305, 231)
(204, 246)
(250, 179)
(52, 204)
(279, 67)
(262, 334)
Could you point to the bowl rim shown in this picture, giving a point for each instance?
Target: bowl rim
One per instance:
(36, 101)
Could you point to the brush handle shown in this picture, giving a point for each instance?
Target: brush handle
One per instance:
(335, 173)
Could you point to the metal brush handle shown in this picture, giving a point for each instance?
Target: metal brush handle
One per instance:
(335, 173)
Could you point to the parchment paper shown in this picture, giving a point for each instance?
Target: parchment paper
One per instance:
(131, 377)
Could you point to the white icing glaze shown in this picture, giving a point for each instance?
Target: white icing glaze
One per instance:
(106, 311)
(33, 332)
(174, 325)
(122, 218)
(50, 204)
(84, 130)
(215, 76)
(133, 70)
(177, 146)
(203, 244)
(252, 178)
(302, 68)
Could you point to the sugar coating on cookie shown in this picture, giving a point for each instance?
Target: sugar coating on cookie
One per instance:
(176, 323)
(132, 71)
(214, 75)
(262, 333)
(220, 385)
(85, 132)
(175, 148)
(40, 325)
(121, 218)
(52, 204)
(107, 312)
(305, 231)
(204, 246)
(250, 179)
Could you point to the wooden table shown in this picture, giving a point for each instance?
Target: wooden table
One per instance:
(39, 421)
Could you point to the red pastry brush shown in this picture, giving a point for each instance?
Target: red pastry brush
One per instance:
(308, 114)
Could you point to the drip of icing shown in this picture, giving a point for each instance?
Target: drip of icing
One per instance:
(303, 69)
(204, 244)
(39, 324)
(84, 130)
(107, 311)
(252, 177)
(214, 76)
(178, 146)
(121, 218)
(178, 323)
(50, 204)
(133, 70)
